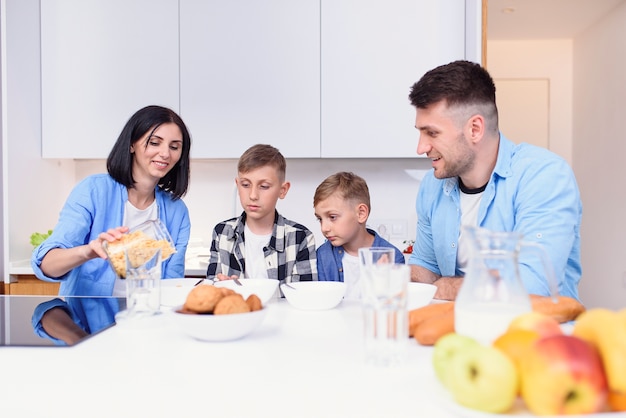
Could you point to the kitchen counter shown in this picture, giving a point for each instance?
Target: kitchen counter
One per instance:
(195, 266)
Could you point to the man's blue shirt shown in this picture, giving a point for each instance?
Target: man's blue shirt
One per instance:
(532, 191)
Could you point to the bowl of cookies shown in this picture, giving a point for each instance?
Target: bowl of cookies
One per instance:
(139, 243)
(265, 289)
(314, 296)
(216, 314)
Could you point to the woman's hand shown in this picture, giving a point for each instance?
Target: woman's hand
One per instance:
(111, 235)
(58, 261)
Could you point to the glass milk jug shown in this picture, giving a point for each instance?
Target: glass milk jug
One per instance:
(492, 293)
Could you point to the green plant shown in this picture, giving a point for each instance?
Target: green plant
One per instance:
(37, 238)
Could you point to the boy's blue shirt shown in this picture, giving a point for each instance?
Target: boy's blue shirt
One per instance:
(329, 258)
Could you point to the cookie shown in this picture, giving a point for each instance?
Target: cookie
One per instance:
(231, 304)
(203, 298)
(254, 303)
(226, 291)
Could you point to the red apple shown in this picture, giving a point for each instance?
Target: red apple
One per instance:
(563, 374)
(542, 324)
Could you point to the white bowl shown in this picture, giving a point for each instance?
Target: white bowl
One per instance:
(263, 288)
(314, 296)
(419, 294)
(209, 327)
(174, 291)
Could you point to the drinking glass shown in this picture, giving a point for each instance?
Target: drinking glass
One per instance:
(143, 282)
(384, 298)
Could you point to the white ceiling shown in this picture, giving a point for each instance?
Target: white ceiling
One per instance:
(543, 19)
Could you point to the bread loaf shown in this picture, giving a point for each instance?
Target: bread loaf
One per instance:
(564, 309)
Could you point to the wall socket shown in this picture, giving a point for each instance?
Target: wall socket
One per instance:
(390, 229)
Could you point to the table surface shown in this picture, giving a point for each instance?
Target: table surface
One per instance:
(296, 364)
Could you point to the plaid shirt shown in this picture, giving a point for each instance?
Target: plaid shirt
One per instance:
(289, 256)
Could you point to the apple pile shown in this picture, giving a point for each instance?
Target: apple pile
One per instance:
(551, 372)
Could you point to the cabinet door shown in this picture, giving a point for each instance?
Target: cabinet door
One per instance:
(101, 61)
(250, 73)
(372, 53)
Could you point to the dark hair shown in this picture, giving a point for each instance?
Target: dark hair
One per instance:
(120, 160)
(261, 155)
(459, 83)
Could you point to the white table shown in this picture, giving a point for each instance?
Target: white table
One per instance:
(298, 364)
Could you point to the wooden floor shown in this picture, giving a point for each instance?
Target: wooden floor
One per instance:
(30, 285)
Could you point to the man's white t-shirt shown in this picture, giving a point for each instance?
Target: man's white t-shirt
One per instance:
(469, 216)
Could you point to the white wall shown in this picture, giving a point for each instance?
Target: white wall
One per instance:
(551, 59)
(35, 187)
(599, 147)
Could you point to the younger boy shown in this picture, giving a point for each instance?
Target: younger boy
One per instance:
(342, 206)
(261, 243)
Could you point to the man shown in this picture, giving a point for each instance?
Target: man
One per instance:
(480, 178)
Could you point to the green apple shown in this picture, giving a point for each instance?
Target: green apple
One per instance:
(483, 378)
(447, 347)
(563, 374)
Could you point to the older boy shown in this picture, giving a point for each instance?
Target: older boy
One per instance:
(342, 206)
(261, 243)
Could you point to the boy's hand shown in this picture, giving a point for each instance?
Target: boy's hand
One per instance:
(219, 277)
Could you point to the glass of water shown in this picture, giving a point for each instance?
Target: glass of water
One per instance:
(143, 282)
(384, 299)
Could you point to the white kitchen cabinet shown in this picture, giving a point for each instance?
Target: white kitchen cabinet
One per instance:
(315, 78)
(372, 53)
(102, 60)
(250, 73)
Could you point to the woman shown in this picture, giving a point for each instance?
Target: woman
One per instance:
(148, 173)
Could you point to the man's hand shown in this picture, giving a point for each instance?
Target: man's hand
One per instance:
(447, 287)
